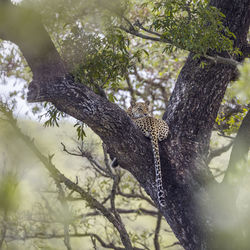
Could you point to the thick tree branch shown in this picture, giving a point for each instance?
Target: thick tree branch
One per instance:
(237, 167)
(201, 90)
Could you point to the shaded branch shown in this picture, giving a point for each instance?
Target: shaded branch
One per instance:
(135, 196)
(138, 24)
(239, 152)
(172, 245)
(85, 154)
(44, 236)
(157, 230)
(138, 34)
(217, 152)
(139, 211)
(223, 60)
(159, 38)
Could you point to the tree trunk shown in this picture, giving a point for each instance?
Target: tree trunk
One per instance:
(191, 113)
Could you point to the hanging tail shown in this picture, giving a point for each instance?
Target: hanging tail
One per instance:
(158, 176)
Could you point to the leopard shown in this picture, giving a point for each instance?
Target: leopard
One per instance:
(155, 129)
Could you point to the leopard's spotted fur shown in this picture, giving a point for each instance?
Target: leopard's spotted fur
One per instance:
(156, 130)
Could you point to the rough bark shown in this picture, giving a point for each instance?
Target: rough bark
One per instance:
(190, 114)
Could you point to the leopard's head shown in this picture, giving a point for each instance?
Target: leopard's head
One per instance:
(140, 109)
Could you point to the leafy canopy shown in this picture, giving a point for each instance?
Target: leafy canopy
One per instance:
(190, 25)
(100, 54)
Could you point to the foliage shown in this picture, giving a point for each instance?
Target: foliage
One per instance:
(96, 60)
(80, 130)
(236, 103)
(12, 62)
(229, 123)
(191, 25)
(53, 114)
(103, 57)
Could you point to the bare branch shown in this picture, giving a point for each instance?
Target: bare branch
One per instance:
(139, 211)
(223, 60)
(75, 235)
(138, 24)
(136, 33)
(84, 153)
(135, 196)
(219, 173)
(172, 245)
(226, 136)
(60, 178)
(217, 152)
(107, 162)
(157, 230)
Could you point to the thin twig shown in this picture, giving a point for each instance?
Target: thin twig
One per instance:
(135, 196)
(172, 245)
(76, 235)
(159, 38)
(65, 206)
(157, 230)
(139, 211)
(217, 152)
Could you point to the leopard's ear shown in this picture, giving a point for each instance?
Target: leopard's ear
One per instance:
(147, 102)
(132, 103)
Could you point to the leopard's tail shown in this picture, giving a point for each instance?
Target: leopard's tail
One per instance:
(158, 176)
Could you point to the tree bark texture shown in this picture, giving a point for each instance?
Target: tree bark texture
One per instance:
(190, 113)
